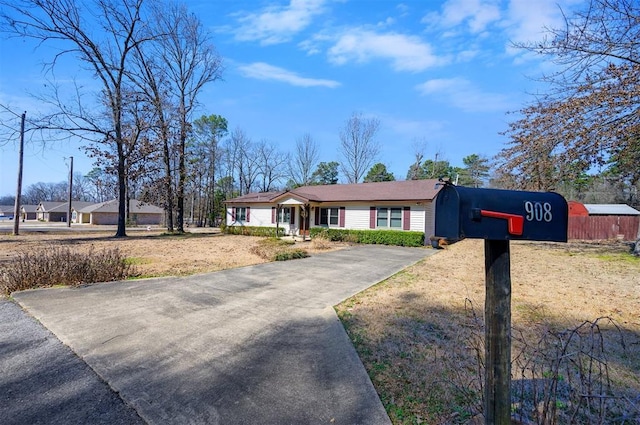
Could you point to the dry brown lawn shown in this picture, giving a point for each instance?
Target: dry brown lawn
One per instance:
(416, 332)
(419, 339)
(155, 253)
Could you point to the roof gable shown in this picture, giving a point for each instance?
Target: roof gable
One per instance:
(49, 205)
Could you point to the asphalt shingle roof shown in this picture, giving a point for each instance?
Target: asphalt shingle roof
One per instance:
(408, 190)
(135, 207)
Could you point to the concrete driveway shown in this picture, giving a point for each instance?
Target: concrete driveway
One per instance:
(255, 345)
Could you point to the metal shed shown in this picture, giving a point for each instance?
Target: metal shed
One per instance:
(603, 221)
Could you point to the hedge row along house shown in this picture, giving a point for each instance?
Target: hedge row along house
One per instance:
(398, 205)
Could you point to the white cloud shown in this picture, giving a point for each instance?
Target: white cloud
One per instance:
(527, 21)
(278, 24)
(462, 94)
(406, 53)
(477, 14)
(264, 71)
(403, 9)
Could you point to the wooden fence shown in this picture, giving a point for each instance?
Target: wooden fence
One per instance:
(604, 227)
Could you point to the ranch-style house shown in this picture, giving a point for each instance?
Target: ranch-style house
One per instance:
(398, 205)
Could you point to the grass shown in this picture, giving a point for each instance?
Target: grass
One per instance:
(420, 334)
(136, 261)
(619, 257)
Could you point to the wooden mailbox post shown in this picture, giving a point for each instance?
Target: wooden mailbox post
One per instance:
(498, 216)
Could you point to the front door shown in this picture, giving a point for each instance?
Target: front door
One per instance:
(304, 220)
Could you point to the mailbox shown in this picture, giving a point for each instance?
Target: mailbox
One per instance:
(465, 212)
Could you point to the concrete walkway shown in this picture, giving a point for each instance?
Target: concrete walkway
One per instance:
(255, 345)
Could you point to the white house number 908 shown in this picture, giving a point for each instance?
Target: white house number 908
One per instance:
(537, 211)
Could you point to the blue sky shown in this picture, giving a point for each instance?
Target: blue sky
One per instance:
(438, 73)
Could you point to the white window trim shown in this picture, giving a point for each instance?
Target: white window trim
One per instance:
(388, 226)
(241, 217)
(280, 215)
(328, 223)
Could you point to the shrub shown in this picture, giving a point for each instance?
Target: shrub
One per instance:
(62, 266)
(274, 249)
(291, 254)
(382, 237)
(252, 231)
(320, 243)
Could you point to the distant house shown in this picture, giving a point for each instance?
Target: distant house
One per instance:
(29, 212)
(140, 213)
(43, 209)
(397, 205)
(603, 221)
(6, 211)
(57, 211)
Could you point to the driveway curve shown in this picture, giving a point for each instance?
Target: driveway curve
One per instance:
(254, 345)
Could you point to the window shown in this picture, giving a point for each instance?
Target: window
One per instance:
(389, 217)
(241, 214)
(329, 217)
(284, 216)
(383, 217)
(395, 220)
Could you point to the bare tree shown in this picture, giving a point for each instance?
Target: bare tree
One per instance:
(242, 161)
(358, 146)
(151, 81)
(81, 188)
(271, 165)
(42, 192)
(231, 149)
(102, 185)
(304, 161)
(105, 53)
(416, 172)
(191, 62)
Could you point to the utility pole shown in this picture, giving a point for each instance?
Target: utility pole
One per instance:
(16, 207)
(70, 191)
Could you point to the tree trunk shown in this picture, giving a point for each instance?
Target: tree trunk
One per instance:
(122, 192)
(167, 182)
(182, 174)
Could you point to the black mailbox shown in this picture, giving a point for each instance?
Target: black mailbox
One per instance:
(465, 212)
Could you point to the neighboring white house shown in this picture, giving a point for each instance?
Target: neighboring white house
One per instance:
(398, 205)
(29, 212)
